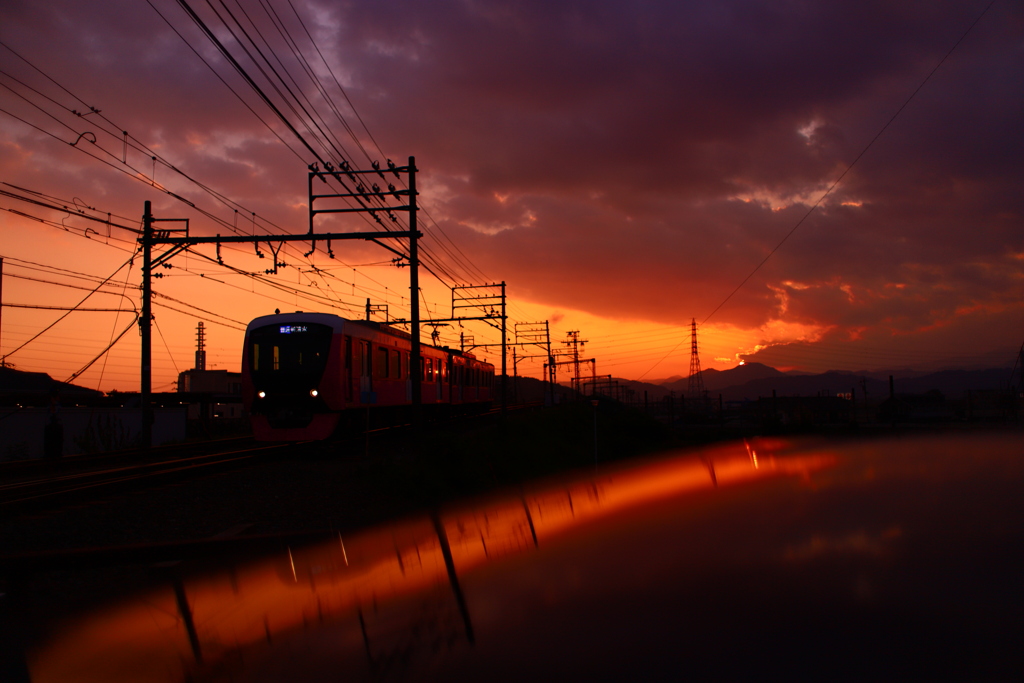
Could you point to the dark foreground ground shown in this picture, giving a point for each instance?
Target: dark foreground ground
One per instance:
(342, 488)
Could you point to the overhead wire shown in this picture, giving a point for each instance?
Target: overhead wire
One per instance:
(51, 325)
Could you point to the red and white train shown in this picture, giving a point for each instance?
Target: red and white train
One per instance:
(306, 375)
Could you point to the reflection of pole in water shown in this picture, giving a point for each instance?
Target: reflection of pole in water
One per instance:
(186, 616)
(529, 520)
(366, 638)
(453, 578)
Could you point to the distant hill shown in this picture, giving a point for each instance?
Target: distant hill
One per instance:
(952, 384)
(18, 382)
(752, 380)
(717, 380)
(829, 383)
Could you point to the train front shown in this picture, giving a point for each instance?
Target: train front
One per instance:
(290, 372)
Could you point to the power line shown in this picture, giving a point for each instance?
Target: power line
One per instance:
(852, 163)
(11, 353)
(837, 180)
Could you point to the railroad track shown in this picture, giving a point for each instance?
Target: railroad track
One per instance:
(26, 468)
(71, 487)
(38, 485)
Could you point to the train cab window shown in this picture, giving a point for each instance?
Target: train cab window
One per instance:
(292, 350)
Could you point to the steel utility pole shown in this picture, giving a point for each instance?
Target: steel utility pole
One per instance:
(573, 340)
(504, 356)
(146, 327)
(484, 302)
(414, 300)
(148, 239)
(3, 362)
(535, 335)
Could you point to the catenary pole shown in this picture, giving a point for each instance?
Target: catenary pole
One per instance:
(414, 299)
(504, 356)
(145, 327)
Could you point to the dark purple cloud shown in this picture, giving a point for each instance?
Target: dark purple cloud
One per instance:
(634, 160)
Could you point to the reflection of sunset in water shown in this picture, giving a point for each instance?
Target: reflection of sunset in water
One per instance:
(369, 586)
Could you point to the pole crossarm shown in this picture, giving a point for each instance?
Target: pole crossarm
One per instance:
(455, 320)
(289, 237)
(360, 209)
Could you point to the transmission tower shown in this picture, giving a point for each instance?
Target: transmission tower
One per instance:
(695, 390)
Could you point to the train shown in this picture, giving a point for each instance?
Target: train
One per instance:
(310, 376)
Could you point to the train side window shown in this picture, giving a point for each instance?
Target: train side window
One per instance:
(382, 363)
(423, 369)
(444, 370)
(366, 358)
(430, 369)
(396, 364)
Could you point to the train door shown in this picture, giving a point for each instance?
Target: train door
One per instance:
(408, 376)
(439, 378)
(457, 383)
(350, 379)
(449, 373)
(366, 372)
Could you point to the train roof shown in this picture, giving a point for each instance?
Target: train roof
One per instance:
(335, 321)
(338, 323)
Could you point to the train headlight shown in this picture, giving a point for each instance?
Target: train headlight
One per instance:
(262, 394)
(314, 393)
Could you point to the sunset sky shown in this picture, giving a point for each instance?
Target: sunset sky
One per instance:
(623, 167)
